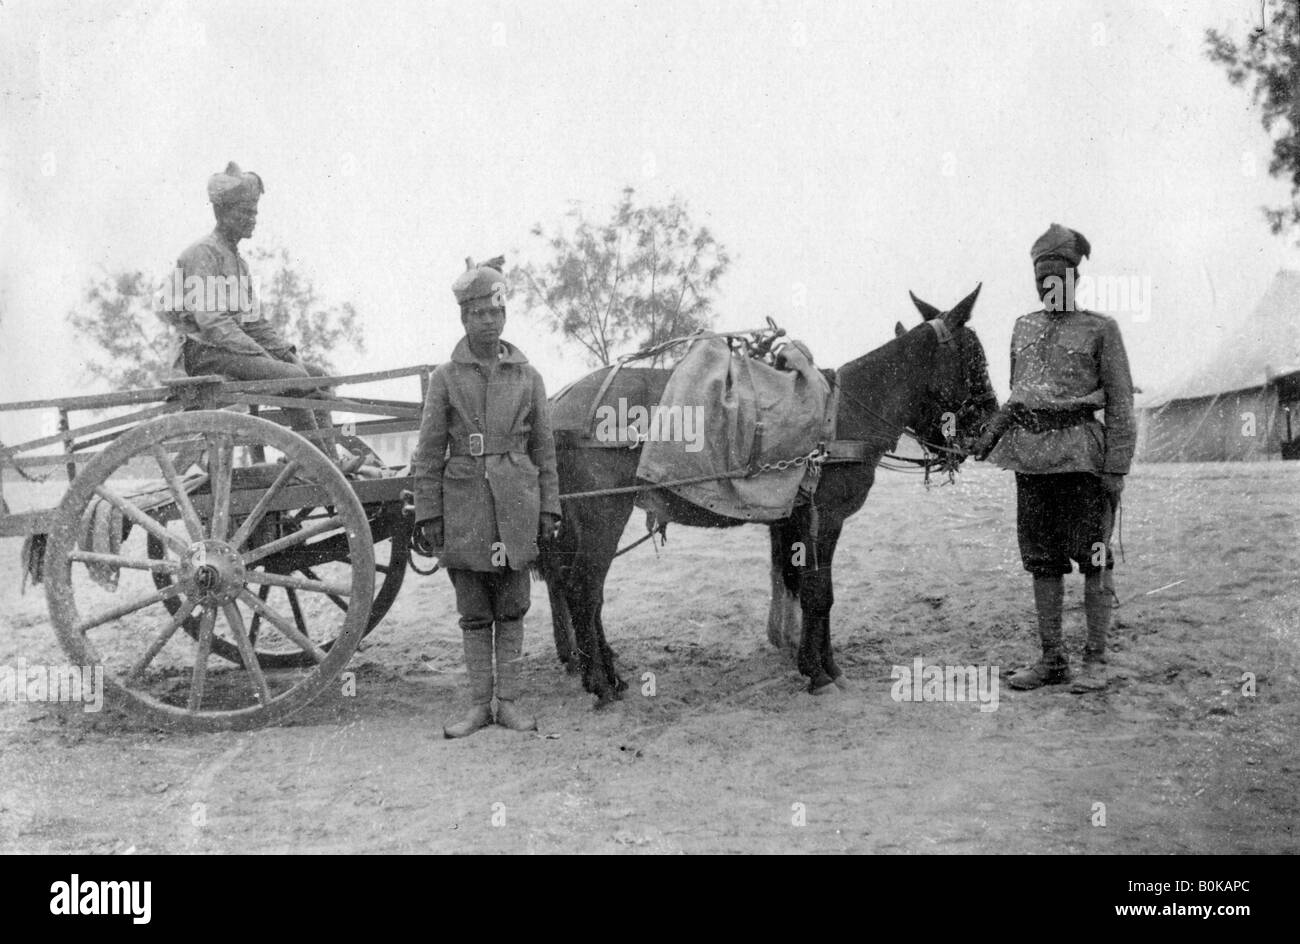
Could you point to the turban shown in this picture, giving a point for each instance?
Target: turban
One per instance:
(234, 186)
(481, 281)
(1062, 242)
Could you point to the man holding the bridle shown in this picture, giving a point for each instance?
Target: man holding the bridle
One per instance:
(487, 492)
(1066, 364)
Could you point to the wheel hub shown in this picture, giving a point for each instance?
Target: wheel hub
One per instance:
(214, 571)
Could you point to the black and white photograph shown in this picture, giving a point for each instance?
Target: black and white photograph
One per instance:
(751, 427)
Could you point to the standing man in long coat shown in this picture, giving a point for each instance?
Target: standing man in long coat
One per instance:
(487, 492)
(1066, 364)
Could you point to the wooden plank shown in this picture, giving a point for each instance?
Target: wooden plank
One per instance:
(22, 523)
(102, 401)
(374, 401)
(137, 417)
(334, 404)
(363, 428)
(36, 462)
(99, 401)
(293, 497)
(270, 386)
(376, 427)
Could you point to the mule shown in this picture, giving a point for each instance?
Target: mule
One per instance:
(931, 381)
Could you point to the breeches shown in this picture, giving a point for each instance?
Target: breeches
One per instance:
(1062, 518)
(487, 597)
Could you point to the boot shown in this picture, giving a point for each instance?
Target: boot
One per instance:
(1054, 667)
(1098, 604)
(510, 651)
(478, 661)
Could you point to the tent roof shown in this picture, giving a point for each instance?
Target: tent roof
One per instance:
(1266, 344)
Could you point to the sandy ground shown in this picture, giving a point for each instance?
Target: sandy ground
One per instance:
(730, 754)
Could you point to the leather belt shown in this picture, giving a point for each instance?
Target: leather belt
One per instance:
(1042, 421)
(488, 444)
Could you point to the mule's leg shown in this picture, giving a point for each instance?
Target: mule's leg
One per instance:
(552, 567)
(784, 622)
(607, 654)
(826, 543)
(816, 597)
(561, 623)
(600, 524)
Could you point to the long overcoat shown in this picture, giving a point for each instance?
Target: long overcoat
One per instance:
(485, 462)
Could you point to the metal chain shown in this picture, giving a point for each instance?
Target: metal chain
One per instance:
(813, 460)
(37, 479)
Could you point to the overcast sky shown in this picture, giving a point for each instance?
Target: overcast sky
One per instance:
(858, 150)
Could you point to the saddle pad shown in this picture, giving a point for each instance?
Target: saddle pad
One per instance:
(709, 419)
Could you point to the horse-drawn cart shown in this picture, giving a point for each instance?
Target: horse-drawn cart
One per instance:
(215, 563)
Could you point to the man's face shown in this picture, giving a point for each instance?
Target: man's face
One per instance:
(484, 319)
(1051, 276)
(239, 219)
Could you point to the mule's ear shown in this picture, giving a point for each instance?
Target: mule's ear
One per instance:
(899, 330)
(960, 313)
(928, 312)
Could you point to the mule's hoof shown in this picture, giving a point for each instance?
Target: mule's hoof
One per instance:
(829, 688)
(843, 684)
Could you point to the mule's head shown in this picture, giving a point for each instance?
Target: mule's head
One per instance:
(959, 398)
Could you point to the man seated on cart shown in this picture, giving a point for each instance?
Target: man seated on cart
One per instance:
(220, 320)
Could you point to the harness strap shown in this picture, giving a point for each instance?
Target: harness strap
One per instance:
(941, 329)
(600, 396)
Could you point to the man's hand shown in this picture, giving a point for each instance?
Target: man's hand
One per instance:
(548, 528)
(428, 537)
(1113, 483)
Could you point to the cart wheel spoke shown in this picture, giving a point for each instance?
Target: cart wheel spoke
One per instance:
(220, 457)
(161, 640)
(263, 592)
(182, 498)
(341, 603)
(126, 609)
(297, 583)
(236, 622)
(259, 510)
(139, 517)
(199, 678)
(297, 611)
(300, 536)
(290, 632)
(131, 563)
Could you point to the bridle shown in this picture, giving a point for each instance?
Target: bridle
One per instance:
(944, 457)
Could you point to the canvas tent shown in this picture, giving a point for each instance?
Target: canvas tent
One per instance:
(1244, 403)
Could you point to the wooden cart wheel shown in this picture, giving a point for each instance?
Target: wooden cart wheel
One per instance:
(390, 532)
(149, 666)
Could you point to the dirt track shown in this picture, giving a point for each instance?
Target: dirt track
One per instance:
(717, 759)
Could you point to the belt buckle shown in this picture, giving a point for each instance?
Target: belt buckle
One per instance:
(476, 444)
